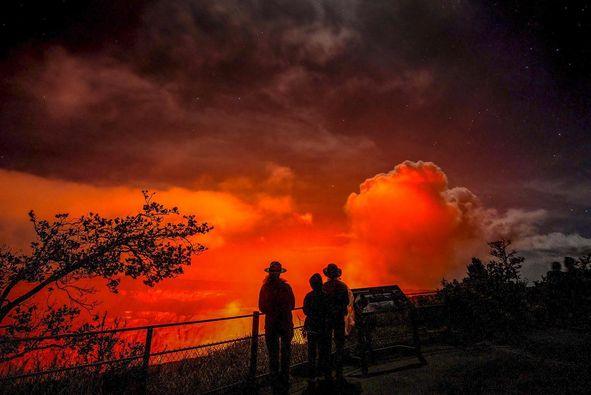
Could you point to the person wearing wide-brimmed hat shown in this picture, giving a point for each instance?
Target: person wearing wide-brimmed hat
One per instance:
(337, 300)
(276, 301)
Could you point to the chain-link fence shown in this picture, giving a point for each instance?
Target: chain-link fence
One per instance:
(167, 358)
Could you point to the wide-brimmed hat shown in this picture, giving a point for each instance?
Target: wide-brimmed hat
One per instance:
(275, 267)
(332, 271)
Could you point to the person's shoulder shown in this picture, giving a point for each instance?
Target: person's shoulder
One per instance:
(333, 285)
(265, 285)
(328, 283)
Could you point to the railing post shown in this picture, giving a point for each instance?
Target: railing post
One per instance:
(147, 350)
(415, 334)
(254, 347)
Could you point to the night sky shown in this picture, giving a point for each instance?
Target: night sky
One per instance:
(286, 107)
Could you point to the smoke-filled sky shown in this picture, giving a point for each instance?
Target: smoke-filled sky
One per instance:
(392, 137)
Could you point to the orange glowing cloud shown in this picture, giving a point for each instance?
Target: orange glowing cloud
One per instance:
(231, 214)
(251, 228)
(408, 227)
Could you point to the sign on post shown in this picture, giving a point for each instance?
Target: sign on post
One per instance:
(372, 302)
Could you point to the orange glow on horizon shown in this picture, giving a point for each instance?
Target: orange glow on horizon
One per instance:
(403, 227)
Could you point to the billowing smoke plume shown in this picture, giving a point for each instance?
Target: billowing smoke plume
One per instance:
(408, 227)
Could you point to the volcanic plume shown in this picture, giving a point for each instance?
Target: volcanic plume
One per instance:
(409, 227)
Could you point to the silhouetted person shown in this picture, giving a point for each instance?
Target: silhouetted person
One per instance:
(315, 328)
(556, 293)
(337, 300)
(276, 301)
(555, 273)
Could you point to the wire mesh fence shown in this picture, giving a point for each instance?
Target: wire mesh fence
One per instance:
(188, 357)
(201, 369)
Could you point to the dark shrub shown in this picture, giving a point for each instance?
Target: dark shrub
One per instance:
(490, 302)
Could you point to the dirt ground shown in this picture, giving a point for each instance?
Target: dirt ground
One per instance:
(545, 362)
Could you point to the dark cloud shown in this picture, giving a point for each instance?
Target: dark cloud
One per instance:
(188, 92)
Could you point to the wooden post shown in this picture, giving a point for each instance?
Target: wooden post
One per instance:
(365, 347)
(254, 348)
(415, 334)
(147, 350)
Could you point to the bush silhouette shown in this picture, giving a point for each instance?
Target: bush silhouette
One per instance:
(490, 302)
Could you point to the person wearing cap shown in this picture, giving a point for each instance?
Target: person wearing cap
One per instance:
(276, 301)
(337, 301)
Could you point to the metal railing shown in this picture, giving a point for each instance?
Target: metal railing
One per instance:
(208, 366)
